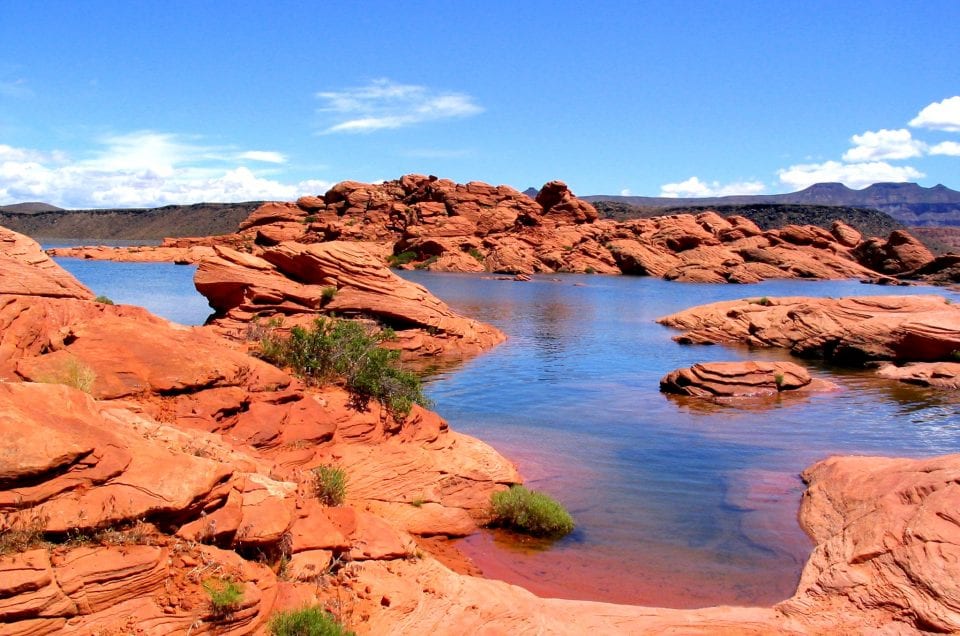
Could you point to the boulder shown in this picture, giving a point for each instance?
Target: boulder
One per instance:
(741, 379)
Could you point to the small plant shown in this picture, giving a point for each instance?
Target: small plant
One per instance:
(310, 218)
(103, 299)
(72, 372)
(307, 621)
(765, 302)
(427, 263)
(778, 380)
(225, 595)
(330, 485)
(530, 512)
(418, 502)
(477, 254)
(589, 270)
(955, 355)
(327, 294)
(402, 258)
(344, 349)
(21, 531)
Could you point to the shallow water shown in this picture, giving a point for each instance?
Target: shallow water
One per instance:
(678, 504)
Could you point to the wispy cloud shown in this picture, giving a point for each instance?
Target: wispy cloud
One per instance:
(854, 175)
(141, 169)
(694, 187)
(943, 115)
(383, 104)
(15, 88)
(265, 156)
(884, 144)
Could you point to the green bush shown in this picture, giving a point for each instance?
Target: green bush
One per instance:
(343, 349)
(103, 299)
(327, 294)
(308, 621)
(530, 512)
(330, 484)
(224, 594)
(477, 254)
(402, 258)
(427, 263)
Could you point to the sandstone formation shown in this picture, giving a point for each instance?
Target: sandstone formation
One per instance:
(940, 375)
(299, 282)
(887, 546)
(847, 330)
(134, 477)
(25, 269)
(138, 254)
(440, 225)
(741, 379)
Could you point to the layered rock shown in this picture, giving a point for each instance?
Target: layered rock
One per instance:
(476, 227)
(741, 379)
(851, 330)
(888, 546)
(300, 282)
(25, 269)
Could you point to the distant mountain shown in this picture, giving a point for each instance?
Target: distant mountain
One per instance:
(31, 207)
(908, 203)
(531, 192)
(199, 219)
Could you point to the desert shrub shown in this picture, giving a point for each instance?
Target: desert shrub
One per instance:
(427, 263)
(71, 372)
(530, 512)
(21, 530)
(765, 302)
(103, 299)
(224, 595)
(778, 380)
(396, 260)
(343, 349)
(330, 484)
(308, 621)
(477, 254)
(327, 294)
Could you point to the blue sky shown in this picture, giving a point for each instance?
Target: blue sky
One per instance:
(129, 103)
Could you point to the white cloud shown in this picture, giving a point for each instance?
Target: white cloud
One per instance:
(266, 156)
(384, 104)
(884, 144)
(626, 192)
(141, 169)
(853, 175)
(944, 115)
(694, 187)
(950, 148)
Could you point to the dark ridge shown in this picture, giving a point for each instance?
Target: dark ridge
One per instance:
(908, 203)
(868, 221)
(29, 207)
(199, 219)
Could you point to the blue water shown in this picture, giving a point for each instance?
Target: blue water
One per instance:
(164, 288)
(677, 503)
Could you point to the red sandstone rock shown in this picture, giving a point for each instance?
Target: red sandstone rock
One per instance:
(887, 545)
(900, 328)
(942, 375)
(26, 270)
(740, 379)
(138, 254)
(292, 278)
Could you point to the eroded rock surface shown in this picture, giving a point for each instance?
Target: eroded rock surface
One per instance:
(741, 379)
(852, 330)
(300, 282)
(440, 225)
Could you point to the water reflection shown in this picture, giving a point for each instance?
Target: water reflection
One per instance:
(667, 492)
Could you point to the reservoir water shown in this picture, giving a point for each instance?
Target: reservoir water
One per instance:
(679, 503)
